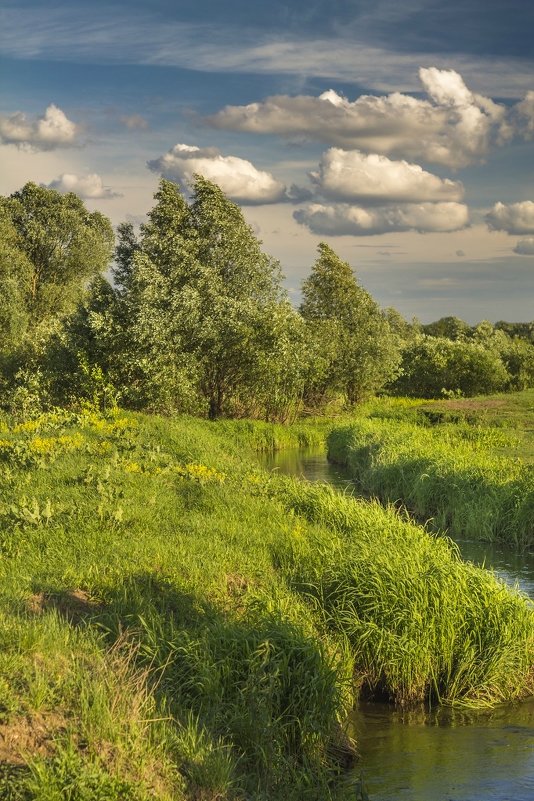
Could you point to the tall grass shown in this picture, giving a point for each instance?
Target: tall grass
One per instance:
(421, 623)
(449, 473)
(152, 533)
(177, 624)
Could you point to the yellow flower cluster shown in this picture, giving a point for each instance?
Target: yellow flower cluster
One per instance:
(202, 473)
(132, 467)
(45, 446)
(29, 427)
(105, 426)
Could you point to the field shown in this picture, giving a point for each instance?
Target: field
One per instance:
(463, 467)
(175, 623)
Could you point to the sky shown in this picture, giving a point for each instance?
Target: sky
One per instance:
(401, 133)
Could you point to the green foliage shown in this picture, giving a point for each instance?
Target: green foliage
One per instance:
(197, 321)
(176, 623)
(50, 246)
(423, 624)
(64, 244)
(359, 351)
(448, 473)
(448, 328)
(433, 366)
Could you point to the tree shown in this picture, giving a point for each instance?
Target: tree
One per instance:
(448, 327)
(15, 278)
(200, 322)
(360, 352)
(240, 295)
(50, 248)
(65, 244)
(434, 366)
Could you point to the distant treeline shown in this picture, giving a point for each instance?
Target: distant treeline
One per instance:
(193, 318)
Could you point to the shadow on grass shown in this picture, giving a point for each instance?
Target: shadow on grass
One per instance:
(255, 687)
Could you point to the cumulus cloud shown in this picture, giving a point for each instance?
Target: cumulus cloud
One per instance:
(342, 218)
(135, 122)
(514, 218)
(237, 177)
(50, 131)
(453, 127)
(355, 176)
(525, 247)
(88, 187)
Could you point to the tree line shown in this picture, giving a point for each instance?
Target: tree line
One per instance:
(190, 315)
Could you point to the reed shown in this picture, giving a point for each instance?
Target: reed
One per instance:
(449, 475)
(421, 623)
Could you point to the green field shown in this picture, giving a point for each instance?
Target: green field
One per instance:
(176, 623)
(463, 467)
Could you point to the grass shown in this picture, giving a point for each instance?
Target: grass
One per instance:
(472, 480)
(422, 623)
(177, 624)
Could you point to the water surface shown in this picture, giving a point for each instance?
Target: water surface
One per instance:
(438, 755)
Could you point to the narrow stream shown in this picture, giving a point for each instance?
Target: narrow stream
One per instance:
(438, 755)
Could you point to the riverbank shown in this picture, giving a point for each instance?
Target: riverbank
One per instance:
(178, 623)
(461, 477)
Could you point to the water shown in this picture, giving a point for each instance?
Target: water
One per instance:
(438, 755)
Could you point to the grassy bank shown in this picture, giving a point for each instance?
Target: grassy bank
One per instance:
(177, 624)
(466, 477)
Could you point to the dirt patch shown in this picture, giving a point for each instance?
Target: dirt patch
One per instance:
(29, 736)
(73, 605)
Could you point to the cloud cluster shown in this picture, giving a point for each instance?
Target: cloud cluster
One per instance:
(524, 116)
(525, 247)
(50, 131)
(514, 218)
(355, 176)
(237, 177)
(453, 127)
(342, 218)
(88, 187)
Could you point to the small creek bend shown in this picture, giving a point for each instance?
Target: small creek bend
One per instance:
(441, 754)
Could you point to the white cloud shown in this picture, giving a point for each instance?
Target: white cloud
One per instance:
(135, 122)
(454, 127)
(354, 176)
(88, 187)
(339, 219)
(50, 131)
(514, 218)
(237, 177)
(525, 247)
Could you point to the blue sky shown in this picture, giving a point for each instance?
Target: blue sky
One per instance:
(401, 133)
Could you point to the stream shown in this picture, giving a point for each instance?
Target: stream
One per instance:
(439, 754)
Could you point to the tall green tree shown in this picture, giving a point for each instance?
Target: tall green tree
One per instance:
(15, 278)
(357, 351)
(201, 322)
(240, 297)
(50, 248)
(65, 244)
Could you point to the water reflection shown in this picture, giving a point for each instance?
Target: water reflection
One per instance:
(446, 756)
(438, 755)
(516, 568)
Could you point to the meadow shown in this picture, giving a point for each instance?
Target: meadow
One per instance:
(176, 623)
(464, 466)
